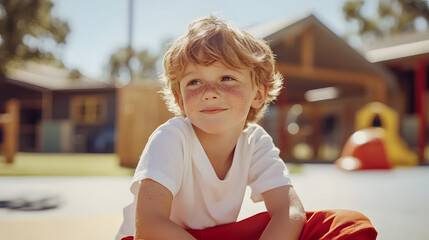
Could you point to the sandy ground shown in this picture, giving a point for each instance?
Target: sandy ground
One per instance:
(396, 201)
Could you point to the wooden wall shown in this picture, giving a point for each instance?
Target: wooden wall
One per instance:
(140, 111)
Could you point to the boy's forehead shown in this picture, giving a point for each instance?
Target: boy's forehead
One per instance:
(189, 69)
(195, 68)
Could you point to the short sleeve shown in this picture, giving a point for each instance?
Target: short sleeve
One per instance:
(267, 170)
(162, 159)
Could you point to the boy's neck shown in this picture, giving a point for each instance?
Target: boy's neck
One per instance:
(219, 148)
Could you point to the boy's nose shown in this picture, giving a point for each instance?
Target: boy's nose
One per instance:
(210, 93)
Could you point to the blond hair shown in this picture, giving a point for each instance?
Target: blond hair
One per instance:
(209, 40)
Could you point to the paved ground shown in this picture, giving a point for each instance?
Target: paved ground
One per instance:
(397, 202)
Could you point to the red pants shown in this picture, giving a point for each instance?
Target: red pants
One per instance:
(330, 224)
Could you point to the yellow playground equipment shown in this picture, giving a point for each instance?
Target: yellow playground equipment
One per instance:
(398, 153)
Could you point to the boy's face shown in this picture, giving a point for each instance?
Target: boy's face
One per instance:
(217, 98)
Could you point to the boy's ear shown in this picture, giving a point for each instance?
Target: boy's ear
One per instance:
(260, 96)
(179, 101)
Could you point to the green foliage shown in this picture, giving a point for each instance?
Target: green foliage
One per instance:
(141, 65)
(27, 29)
(392, 17)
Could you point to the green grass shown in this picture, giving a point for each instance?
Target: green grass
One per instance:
(295, 168)
(40, 164)
(35, 164)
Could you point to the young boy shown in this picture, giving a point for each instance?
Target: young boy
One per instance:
(192, 176)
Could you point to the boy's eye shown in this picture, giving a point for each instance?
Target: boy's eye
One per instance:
(228, 78)
(194, 82)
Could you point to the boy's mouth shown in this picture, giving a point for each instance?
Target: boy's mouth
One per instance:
(213, 110)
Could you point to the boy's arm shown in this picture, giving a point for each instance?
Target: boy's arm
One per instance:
(287, 214)
(153, 214)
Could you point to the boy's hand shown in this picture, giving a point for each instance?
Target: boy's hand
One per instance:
(153, 213)
(287, 214)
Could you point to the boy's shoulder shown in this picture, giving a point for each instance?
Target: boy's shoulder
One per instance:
(254, 128)
(175, 122)
(255, 132)
(174, 126)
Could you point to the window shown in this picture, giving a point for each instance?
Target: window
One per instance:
(90, 109)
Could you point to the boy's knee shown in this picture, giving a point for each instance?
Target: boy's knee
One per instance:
(337, 224)
(336, 214)
(348, 215)
(341, 218)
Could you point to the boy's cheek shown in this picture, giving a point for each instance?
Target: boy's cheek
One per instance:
(179, 101)
(190, 101)
(191, 95)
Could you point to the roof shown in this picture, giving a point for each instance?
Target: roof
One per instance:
(330, 51)
(52, 78)
(265, 30)
(399, 46)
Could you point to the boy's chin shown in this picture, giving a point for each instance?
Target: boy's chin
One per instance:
(216, 127)
(211, 128)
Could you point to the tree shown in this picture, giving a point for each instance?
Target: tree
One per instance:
(127, 65)
(393, 17)
(26, 27)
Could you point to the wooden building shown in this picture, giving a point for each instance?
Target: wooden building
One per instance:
(326, 82)
(61, 111)
(407, 56)
(140, 111)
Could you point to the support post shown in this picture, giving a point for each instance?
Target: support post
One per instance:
(420, 78)
(11, 130)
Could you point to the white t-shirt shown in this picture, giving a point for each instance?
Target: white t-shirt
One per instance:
(175, 158)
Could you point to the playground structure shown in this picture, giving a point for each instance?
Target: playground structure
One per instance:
(376, 147)
(9, 124)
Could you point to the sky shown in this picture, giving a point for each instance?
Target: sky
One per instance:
(99, 27)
